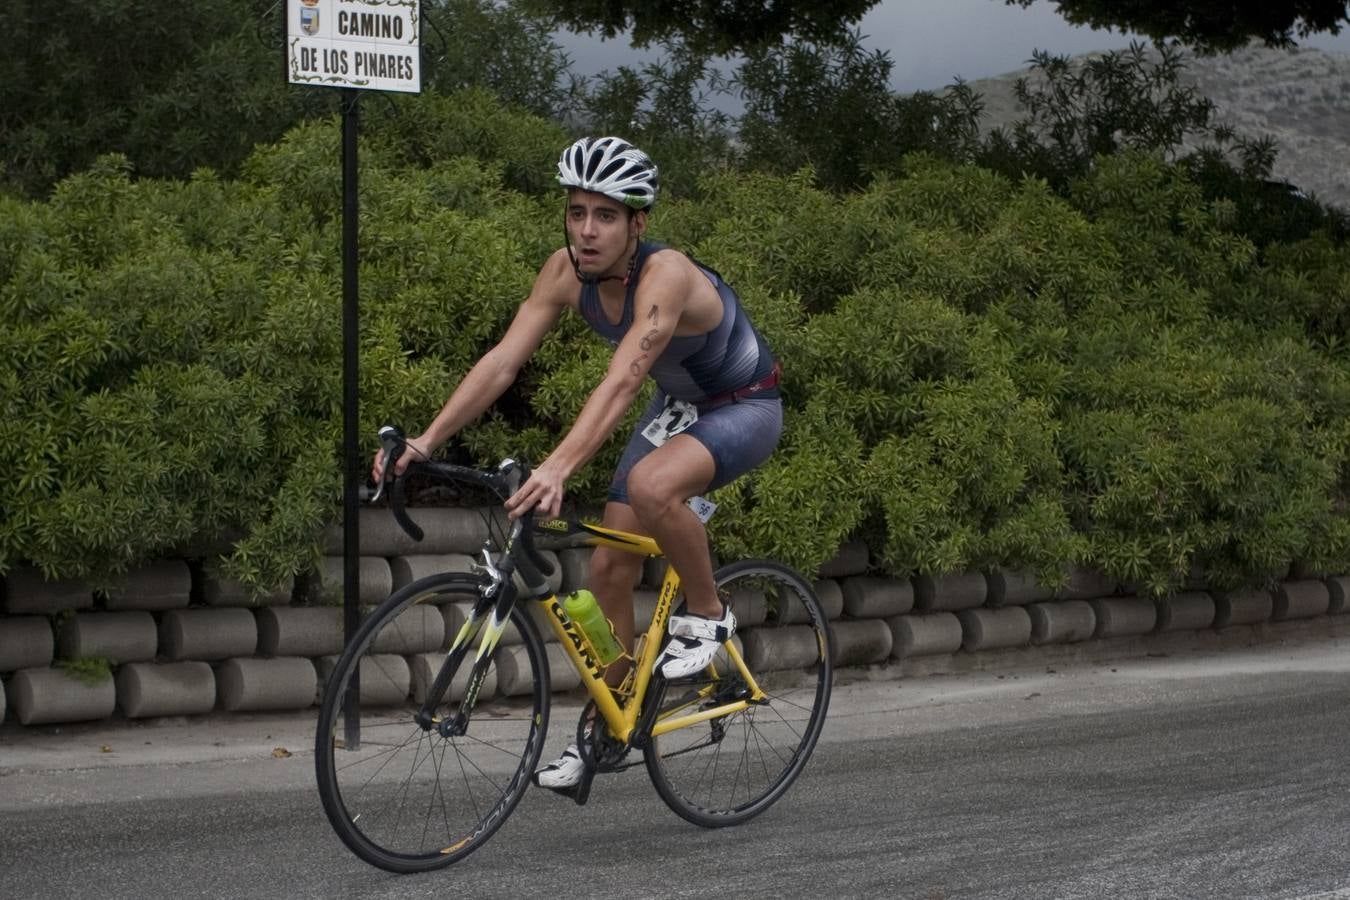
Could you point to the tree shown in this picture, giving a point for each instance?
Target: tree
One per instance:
(830, 106)
(720, 26)
(201, 87)
(1209, 26)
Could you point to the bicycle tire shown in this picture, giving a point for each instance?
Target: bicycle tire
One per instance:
(409, 799)
(728, 770)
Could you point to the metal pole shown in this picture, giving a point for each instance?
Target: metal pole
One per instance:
(351, 497)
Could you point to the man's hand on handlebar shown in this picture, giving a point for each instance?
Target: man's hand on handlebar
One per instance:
(542, 492)
(415, 450)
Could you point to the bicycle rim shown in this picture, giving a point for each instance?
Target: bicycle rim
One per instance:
(730, 769)
(408, 799)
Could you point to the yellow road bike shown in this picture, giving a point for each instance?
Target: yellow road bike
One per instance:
(437, 768)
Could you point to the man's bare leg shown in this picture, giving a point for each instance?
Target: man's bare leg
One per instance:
(613, 574)
(658, 487)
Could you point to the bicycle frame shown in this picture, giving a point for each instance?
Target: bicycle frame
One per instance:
(621, 714)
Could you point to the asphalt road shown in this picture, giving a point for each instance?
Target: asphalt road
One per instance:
(1216, 776)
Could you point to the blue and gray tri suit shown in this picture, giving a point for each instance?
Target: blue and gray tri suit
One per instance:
(705, 370)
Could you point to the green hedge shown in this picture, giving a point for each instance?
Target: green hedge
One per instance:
(978, 372)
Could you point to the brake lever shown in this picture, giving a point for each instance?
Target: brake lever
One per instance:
(392, 442)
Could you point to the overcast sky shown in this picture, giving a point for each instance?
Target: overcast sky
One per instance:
(933, 41)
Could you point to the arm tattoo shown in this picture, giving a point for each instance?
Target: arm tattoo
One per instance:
(653, 316)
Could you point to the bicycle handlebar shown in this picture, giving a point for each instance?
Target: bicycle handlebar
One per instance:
(504, 481)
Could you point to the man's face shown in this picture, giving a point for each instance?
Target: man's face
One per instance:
(601, 231)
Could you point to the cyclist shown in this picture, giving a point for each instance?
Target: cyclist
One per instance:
(716, 413)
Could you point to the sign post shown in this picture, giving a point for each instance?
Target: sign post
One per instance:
(354, 45)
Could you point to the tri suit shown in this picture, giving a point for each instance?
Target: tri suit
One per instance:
(726, 377)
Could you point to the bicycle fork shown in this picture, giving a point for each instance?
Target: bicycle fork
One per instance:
(499, 596)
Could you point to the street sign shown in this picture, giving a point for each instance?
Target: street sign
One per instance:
(369, 44)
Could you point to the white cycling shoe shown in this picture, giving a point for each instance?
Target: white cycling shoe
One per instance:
(563, 773)
(694, 641)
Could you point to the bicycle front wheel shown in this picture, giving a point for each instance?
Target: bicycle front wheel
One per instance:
(405, 797)
(731, 768)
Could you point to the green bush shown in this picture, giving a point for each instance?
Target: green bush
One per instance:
(979, 371)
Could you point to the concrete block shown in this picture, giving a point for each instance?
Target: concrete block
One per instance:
(562, 675)
(445, 530)
(1300, 600)
(170, 689)
(309, 631)
(25, 643)
(418, 629)
(156, 586)
(219, 591)
(993, 629)
(1062, 622)
(852, 559)
(750, 606)
(774, 648)
(1086, 584)
(951, 592)
(425, 666)
(870, 597)
(789, 610)
(376, 579)
(861, 642)
(1339, 590)
(404, 570)
(122, 637)
(541, 621)
(208, 634)
(1243, 607)
(924, 634)
(830, 593)
(28, 591)
(1014, 588)
(256, 685)
(45, 696)
(1189, 611)
(1121, 616)
(386, 679)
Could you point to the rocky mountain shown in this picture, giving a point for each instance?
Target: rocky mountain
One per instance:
(1301, 98)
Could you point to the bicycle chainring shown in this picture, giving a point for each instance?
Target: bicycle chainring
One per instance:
(597, 747)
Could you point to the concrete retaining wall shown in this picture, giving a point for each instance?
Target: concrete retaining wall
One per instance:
(180, 648)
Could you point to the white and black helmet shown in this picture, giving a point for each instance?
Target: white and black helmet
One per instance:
(609, 166)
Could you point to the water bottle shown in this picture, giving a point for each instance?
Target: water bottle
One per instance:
(582, 609)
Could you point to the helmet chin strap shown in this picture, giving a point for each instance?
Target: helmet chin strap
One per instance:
(592, 279)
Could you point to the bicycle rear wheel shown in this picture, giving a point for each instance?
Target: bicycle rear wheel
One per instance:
(732, 768)
(407, 798)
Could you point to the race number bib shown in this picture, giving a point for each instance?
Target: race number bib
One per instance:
(702, 507)
(676, 417)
